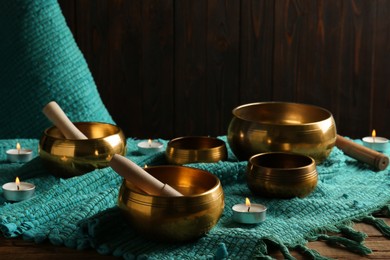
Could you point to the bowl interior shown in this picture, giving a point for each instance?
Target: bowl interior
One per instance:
(93, 130)
(281, 160)
(189, 181)
(196, 143)
(281, 113)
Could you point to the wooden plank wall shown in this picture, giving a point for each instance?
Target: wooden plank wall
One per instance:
(167, 68)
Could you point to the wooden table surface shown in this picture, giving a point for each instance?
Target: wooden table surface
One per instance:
(20, 249)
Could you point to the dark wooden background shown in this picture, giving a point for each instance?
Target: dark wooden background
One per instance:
(168, 68)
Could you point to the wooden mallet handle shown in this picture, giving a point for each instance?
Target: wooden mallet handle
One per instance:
(362, 153)
(141, 178)
(58, 117)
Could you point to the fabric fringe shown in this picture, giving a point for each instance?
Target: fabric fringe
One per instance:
(349, 244)
(350, 233)
(379, 224)
(351, 239)
(262, 249)
(386, 211)
(313, 254)
(221, 252)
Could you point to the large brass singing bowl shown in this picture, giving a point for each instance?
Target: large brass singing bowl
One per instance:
(67, 158)
(281, 127)
(174, 219)
(281, 175)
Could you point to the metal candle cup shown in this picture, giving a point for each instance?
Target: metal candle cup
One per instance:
(12, 193)
(379, 144)
(150, 147)
(249, 215)
(19, 155)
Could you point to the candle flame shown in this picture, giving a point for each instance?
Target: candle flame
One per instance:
(18, 147)
(373, 134)
(150, 142)
(146, 166)
(96, 152)
(17, 181)
(248, 203)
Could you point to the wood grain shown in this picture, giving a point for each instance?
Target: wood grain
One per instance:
(257, 47)
(380, 97)
(176, 68)
(223, 57)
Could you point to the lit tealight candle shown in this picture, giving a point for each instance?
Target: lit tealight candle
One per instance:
(19, 155)
(150, 147)
(375, 142)
(249, 213)
(18, 191)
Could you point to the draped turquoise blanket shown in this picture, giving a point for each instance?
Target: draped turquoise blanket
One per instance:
(40, 62)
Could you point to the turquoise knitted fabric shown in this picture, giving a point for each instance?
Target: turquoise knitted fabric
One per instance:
(40, 62)
(81, 212)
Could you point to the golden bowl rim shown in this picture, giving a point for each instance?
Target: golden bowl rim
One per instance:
(311, 164)
(234, 112)
(118, 131)
(178, 139)
(209, 191)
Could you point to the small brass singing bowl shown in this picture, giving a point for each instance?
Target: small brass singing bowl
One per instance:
(194, 149)
(67, 158)
(174, 219)
(281, 127)
(281, 175)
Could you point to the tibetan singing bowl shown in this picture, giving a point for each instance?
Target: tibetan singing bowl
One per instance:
(281, 175)
(67, 158)
(281, 127)
(174, 219)
(193, 149)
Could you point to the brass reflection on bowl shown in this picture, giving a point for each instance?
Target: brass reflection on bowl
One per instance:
(67, 158)
(174, 219)
(281, 127)
(193, 149)
(281, 175)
